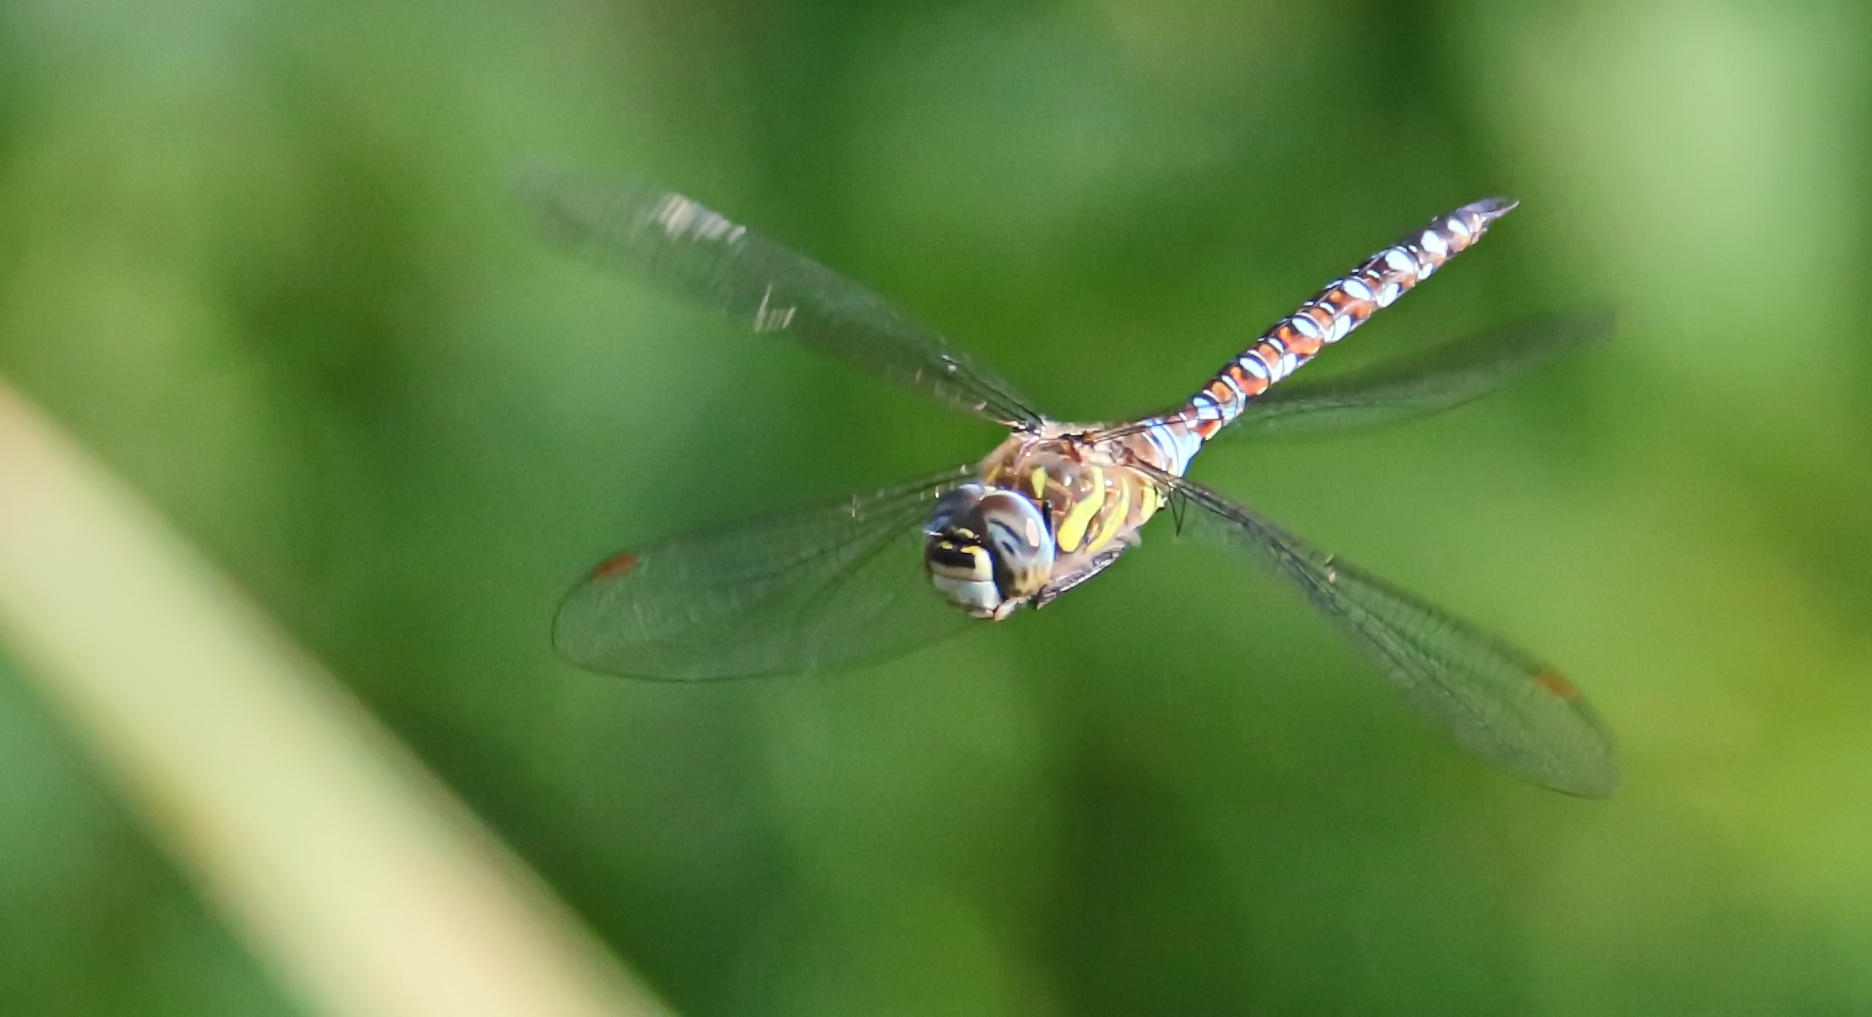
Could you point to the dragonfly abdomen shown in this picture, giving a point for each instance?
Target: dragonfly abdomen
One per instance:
(1328, 317)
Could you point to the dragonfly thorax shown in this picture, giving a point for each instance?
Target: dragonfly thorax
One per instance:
(1050, 509)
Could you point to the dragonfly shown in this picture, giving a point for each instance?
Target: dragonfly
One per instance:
(874, 576)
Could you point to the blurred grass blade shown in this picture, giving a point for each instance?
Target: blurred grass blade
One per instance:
(347, 868)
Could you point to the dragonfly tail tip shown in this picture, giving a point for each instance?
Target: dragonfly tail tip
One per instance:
(1494, 208)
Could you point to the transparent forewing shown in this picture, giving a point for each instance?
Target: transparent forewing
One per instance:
(765, 286)
(1494, 699)
(1432, 381)
(826, 588)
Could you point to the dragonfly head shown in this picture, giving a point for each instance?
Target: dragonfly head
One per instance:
(988, 549)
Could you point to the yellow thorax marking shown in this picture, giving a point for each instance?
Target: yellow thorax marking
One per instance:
(1149, 501)
(1115, 514)
(1072, 528)
(1039, 481)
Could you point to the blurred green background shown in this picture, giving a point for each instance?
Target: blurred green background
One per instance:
(261, 258)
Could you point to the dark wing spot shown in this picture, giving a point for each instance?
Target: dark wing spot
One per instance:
(1556, 683)
(616, 565)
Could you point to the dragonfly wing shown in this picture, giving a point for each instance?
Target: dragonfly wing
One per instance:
(1496, 701)
(765, 286)
(1432, 381)
(827, 588)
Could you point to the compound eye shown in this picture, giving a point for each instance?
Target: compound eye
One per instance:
(955, 507)
(1014, 525)
(1015, 531)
